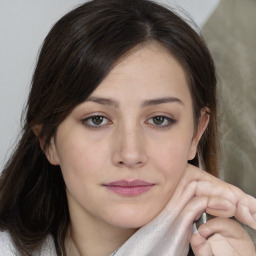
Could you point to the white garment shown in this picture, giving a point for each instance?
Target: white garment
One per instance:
(166, 235)
(169, 233)
(7, 247)
(162, 237)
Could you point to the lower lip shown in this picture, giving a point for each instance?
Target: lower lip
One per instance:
(130, 190)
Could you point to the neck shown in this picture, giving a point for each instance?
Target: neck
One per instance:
(89, 236)
(95, 244)
(84, 240)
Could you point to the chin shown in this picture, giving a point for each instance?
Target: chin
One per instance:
(133, 219)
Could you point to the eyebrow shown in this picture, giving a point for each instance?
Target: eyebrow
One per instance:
(103, 101)
(159, 101)
(146, 103)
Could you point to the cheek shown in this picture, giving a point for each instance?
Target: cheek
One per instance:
(171, 158)
(81, 161)
(75, 158)
(79, 170)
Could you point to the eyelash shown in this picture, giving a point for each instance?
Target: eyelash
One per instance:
(86, 121)
(166, 121)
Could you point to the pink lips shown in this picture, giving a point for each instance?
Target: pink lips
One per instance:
(129, 188)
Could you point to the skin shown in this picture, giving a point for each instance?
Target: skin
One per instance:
(127, 143)
(222, 236)
(199, 192)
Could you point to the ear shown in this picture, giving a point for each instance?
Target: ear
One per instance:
(202, 125)
(49, 151)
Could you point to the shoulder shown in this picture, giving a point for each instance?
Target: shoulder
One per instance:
(48, 248)
(7, 247)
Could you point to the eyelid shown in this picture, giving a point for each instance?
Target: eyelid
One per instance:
(171, 120)
(92, 115)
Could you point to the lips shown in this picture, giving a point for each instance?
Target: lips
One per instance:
(129, 188)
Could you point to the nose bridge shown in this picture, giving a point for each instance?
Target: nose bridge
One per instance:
(131, 138)
(130, 145)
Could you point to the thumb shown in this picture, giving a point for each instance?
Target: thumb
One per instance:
(200, 246)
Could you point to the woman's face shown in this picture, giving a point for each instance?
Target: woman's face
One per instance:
(123, 151)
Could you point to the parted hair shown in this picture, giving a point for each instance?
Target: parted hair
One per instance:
(76, 55)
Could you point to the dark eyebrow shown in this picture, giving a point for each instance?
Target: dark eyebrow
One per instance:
(103, 101)
(146, 103)
(161, 101)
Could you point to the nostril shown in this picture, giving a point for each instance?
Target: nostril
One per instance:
(123, 163)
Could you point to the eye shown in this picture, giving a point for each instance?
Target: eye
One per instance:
(161, 121)
(96, 121)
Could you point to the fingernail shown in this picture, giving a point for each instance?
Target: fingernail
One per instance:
(195, 231)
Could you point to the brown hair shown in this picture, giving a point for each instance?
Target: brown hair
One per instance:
(76, 56)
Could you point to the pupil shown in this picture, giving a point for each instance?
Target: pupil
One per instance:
(158, 120)
(97, 120)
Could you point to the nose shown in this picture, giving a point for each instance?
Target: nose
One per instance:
(130, 148)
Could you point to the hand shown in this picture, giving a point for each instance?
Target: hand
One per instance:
(221, 236)
(224, 200)
(171, 231)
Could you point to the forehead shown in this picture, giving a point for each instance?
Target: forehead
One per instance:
(149, 71)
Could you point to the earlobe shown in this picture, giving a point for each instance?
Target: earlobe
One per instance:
(202, 125)
(50, 150)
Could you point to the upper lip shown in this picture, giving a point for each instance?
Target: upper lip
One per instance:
(127, 183)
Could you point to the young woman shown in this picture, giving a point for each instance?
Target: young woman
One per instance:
(121, 111)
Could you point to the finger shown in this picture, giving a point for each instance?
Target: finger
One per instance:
(188, 188)
(220, 246)
(197, 205)
(221, 207)
(244, 209)
(216, 188)
(207, 185)
(193, 210)
(228, 235)
(226, 227)
(200, 245)
(246, 212)
(216, 245)
(213, 236)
